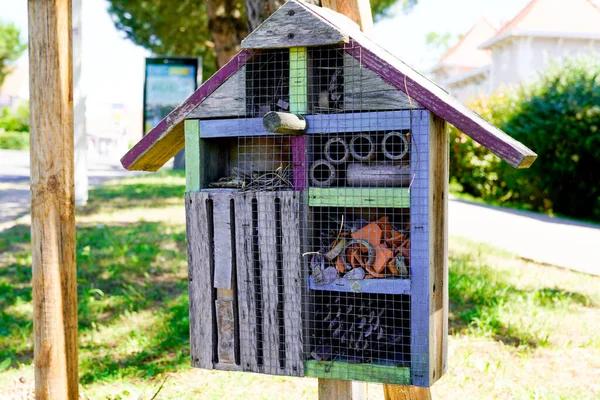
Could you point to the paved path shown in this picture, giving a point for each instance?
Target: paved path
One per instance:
(548, 240)
(14, 182)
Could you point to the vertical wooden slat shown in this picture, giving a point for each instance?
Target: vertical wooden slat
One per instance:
(223, 265)
(292, 281)
(245, 281)
(192, 155)
(225, 327)
(222, 239)
(299, 163)
(54, 272)
(419, 253)
(438, 248)
(299, 105)
(200, 282)
(268, 273)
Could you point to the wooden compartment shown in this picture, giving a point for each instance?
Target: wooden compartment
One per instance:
(245, 281)
(383, 232)
(360, 337)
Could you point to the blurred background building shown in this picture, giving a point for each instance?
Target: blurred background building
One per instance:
(545, 31)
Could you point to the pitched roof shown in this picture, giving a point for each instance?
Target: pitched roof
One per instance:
(553, 18)
(466, 54)
(167, 138)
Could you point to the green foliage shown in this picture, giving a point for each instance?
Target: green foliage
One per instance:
(14, 140)
(16, 120)
(11, 47)
(472, 166)
(14, 127)
(182, 28)
(558, 116)
(167, 28)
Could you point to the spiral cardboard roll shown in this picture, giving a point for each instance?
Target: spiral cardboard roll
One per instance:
(336, 151)
(362, 147)
(322, 173)
(394, 146)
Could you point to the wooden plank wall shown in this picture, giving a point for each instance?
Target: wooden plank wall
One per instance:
(247, 300)
(292, 281)
(256, 324)
(364, 90)
(200, 280)
(229, 100)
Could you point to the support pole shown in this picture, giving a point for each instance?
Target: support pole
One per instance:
(52, 200)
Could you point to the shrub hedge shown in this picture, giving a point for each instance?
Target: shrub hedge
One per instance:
(558, 116)
(14, 140)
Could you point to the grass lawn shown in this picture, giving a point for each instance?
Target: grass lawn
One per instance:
(518, 330)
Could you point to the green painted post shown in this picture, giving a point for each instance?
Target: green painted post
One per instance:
(192, 155)
(298, 81)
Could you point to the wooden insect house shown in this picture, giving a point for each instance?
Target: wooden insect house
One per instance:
(317, 170)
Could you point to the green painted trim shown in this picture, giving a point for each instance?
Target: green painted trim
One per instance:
(192, 155)
(359, 197)
(357, 372)
(298, 80)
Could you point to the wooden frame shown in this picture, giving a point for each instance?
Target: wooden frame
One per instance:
(429, 251)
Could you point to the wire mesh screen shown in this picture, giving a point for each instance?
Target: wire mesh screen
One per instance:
(330, 226)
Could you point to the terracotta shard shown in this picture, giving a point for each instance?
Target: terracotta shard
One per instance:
(382, 256)
(339, 266)
(371, 233)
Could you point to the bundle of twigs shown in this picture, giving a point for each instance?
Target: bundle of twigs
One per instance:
(257, 180)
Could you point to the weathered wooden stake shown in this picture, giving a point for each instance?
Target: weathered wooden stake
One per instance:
(397, 392)
(52, 200)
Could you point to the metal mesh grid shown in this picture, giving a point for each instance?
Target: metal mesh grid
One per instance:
(331, 226)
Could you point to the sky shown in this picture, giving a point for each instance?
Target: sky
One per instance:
(113, 67)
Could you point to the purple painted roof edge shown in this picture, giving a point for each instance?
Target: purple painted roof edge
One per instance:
(178, 114)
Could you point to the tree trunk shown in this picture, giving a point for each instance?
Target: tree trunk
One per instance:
(225, 21)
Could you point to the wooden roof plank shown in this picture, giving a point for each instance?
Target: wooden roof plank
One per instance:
(167, 138)
(293, 26)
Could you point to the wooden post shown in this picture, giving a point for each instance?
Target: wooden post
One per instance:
(52, 200)
(397, 392)
(360, 12)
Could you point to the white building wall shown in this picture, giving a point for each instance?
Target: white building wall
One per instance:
(518, 60)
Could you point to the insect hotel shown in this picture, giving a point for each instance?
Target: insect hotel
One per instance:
(317, 170)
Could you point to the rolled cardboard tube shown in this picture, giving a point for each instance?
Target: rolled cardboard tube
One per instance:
(394, 146)
(382, 175)
(322, 173)
(336, 151)
(362, 147)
